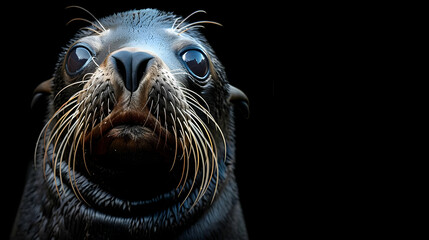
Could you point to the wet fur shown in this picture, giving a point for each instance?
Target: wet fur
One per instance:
(53, 206)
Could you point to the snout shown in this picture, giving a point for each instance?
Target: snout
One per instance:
(131, 66)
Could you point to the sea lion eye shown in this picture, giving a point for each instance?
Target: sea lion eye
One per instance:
(197, 63)
(77, 59)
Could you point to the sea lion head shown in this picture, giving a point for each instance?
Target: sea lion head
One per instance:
(141, 118)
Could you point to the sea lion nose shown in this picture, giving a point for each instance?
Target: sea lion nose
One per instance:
(131, 66)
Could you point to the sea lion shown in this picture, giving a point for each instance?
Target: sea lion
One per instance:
(139, 138)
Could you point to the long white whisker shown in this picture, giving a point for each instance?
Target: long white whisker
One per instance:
(99, 23)
(186, 18)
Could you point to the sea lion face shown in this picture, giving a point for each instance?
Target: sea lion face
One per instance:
(141, 118)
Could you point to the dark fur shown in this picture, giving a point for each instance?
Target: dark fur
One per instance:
(43, 215)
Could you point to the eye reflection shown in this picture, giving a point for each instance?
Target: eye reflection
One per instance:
(196, 63)
(77, 60)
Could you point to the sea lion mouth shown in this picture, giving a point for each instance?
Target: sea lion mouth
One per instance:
(130, 150)
(124, 132)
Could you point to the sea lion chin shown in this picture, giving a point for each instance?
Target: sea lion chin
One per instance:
(139, 139)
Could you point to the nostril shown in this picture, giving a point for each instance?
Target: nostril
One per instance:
(122, 64)
(141, 69)
(120, 67)
(140, 65)
(131, 66)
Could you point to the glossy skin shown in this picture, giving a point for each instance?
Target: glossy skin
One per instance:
(120, 179)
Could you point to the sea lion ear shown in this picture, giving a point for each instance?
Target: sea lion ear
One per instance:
(43, 90)
(239, 99)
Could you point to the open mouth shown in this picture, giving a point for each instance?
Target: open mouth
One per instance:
(132, 156)
(130, 133)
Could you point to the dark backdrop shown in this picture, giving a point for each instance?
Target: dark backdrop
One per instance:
(34, 34)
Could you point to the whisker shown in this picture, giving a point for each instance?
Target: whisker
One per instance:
(175, 141)
(65, 105)
(91, 29)
(87, 21)
(88, 12)
(190, 95)
(71, 85)
(185, 156)
(186, 18)
(196, 24)
(61, 149)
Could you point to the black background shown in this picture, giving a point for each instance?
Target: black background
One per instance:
(308, 158)
(34, 33)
